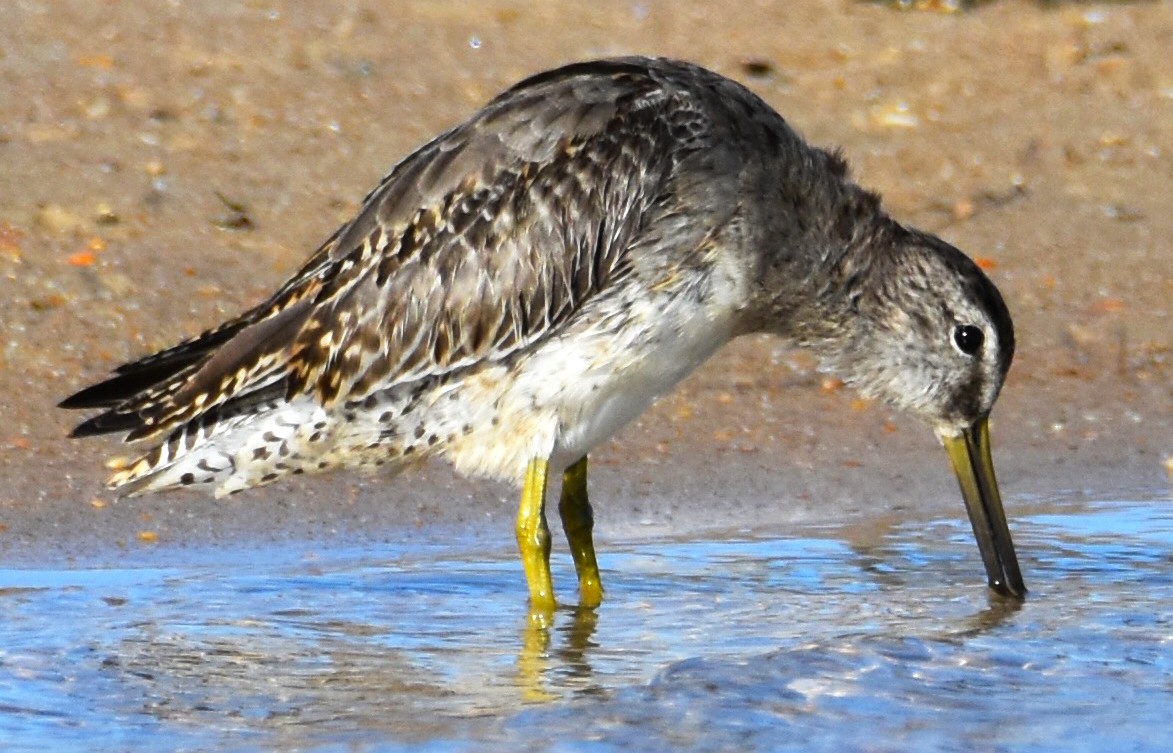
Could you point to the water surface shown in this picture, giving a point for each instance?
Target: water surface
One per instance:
(824, 639)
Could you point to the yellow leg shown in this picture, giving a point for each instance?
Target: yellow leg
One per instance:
(533, 537)
(577, 520)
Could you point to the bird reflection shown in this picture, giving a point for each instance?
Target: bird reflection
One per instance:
(545, 672)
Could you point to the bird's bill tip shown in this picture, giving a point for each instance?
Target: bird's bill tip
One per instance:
(969, 453)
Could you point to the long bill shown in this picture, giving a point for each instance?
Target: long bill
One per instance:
(969, 452)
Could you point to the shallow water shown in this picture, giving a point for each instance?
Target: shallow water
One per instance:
(825, 639)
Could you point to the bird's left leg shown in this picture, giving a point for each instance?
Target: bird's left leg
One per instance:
(533, 537)
(577, 520)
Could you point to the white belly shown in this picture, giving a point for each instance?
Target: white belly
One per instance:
(578, 389)
(612, 390)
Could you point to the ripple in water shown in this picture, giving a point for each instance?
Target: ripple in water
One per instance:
(833, 641)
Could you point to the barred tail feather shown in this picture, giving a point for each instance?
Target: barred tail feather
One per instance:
(272, 440)
(224, 454)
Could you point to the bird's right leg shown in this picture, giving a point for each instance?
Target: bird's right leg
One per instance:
(533, 537)
(578, 520)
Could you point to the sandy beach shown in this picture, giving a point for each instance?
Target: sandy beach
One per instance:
(166, 166)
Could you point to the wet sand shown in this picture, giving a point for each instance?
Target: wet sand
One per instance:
(165, 167)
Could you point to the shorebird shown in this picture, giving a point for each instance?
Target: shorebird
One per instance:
(520, 287)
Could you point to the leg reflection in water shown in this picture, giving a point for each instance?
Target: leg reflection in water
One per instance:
(547, 673)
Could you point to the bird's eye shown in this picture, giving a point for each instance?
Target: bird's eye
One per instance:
(968, 338)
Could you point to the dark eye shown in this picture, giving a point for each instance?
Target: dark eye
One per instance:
(968, 338)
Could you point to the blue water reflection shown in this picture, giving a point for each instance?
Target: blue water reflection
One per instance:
(825, 639)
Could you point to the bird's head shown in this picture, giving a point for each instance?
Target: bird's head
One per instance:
(927, 331)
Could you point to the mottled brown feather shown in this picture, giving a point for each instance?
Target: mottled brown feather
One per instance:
(481, 243)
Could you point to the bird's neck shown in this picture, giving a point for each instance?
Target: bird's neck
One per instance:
(817, 254)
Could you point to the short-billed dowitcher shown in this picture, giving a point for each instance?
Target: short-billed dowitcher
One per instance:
(527, 282)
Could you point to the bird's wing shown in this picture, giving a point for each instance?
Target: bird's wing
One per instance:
(484, 241)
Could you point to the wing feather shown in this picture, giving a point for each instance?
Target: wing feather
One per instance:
(480, 244)
(490, 248)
